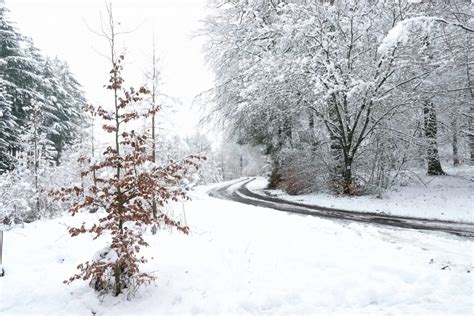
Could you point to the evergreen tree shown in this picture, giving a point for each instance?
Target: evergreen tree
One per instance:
(63, 100)
(20, 77)
(9, 46)
(7, 127)
(27, 77)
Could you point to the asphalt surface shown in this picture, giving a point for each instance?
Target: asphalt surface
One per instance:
(238, 192)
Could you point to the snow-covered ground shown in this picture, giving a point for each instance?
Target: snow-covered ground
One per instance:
(241, 260)
(448, 197)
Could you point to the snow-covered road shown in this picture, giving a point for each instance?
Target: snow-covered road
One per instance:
(240, 259)
(239, 191)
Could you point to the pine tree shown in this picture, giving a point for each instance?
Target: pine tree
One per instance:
(27, 77)
(9, 50)
(22, 71)
(7, 128)
(64, 99)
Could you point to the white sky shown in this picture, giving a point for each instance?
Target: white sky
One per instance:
(58, 28)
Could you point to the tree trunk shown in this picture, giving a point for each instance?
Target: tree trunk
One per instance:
(454, 125)
(36, 156)
(470, 96)
(347, 186)
(94, 177)
(431, 131)
(275, 177)
(342, 168)
(154, 207)
(118, 283)
(471, 140)
(2, 271)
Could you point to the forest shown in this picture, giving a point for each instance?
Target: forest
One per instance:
(330, 169)
(346, 95)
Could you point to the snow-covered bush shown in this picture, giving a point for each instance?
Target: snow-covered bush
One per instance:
(16, 198)
(25, 193)
(25, 190)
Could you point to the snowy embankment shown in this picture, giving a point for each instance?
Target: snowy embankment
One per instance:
(241, 259)
(448, 197)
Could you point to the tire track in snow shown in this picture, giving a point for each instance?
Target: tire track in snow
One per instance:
(238, 192)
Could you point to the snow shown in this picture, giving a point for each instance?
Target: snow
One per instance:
(106, 255)
(242, 260)
(403, 30)
(441, 197)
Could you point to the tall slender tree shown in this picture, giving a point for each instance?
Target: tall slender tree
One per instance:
(128, 183)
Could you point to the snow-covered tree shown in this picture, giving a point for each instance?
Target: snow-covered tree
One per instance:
(439, 53)
(25, 190)
(15, 74)
(322, 80)
(26, 77)
(8, 126)
(64, 100)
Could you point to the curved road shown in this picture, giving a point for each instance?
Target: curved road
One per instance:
(238, 192)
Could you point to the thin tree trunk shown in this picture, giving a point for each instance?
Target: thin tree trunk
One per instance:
(471, 136)
(470, 95)
(36, 159)
(111, 37)
(2, 271)
(153, 135)
(454, 125)
(82, 152)
(431, 131)
(94, 177)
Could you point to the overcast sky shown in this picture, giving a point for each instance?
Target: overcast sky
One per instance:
(60, 28)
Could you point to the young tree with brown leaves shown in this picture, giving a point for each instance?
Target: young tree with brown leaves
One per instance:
(127, 186)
